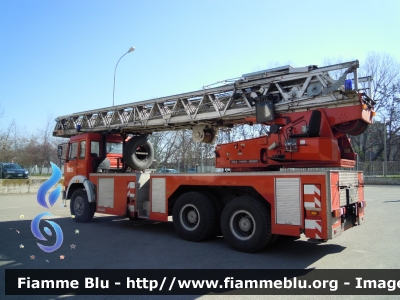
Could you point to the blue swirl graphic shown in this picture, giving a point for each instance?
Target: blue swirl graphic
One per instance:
(36, 232)
(47, 185)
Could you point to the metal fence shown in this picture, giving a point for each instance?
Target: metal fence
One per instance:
(376, 168)
(42, 170)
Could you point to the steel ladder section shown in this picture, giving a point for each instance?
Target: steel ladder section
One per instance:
(225, 105)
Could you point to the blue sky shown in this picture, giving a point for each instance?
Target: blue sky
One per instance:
(58, 57)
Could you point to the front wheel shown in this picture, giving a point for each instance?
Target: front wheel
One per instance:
(246, 224)
(80, 207)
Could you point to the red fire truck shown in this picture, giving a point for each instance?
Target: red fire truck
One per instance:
(266, 189)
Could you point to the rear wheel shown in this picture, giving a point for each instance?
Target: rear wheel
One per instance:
(246, 224)
(194, 217)
(80, 207)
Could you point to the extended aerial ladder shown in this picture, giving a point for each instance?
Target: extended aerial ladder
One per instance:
(297, 102)
(307, 117)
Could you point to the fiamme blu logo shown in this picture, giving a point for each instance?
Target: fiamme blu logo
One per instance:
(52, 199)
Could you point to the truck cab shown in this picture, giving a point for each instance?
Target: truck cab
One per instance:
(90, 153)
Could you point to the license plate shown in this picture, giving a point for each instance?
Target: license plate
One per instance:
(20, 175)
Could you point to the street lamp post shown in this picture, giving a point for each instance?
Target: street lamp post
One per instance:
(202, 154)
(131, 49)
(384, 148)
(179, 157)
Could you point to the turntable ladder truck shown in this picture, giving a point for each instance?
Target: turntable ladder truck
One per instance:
(266, 189)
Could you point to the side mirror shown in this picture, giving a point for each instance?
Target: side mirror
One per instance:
(59, 151)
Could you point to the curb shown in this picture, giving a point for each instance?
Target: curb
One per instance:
(22, 186)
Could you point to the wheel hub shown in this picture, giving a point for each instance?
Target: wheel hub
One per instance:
(192, 216)
(78, 206)
(189, 217)
(244, 223)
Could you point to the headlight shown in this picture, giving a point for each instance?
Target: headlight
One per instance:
(11, 172)
(26, 172)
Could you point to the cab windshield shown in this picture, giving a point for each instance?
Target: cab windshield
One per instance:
(114, 148)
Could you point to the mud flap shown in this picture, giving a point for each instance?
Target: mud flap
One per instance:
(360, 215)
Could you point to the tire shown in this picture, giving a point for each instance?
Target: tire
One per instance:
(219, 207)
(80, 207)
(194, 217)
(246, 224)
(138, 153)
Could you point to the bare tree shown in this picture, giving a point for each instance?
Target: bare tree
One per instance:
(385, 90)
(7, 147)
(164, 145)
